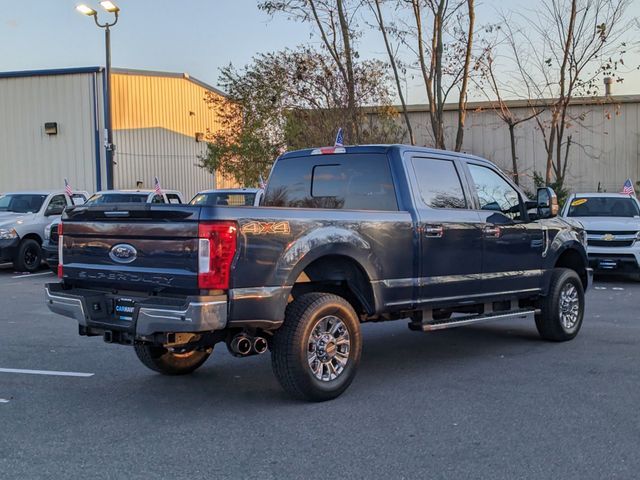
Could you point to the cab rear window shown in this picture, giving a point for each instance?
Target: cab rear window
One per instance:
(348, 181)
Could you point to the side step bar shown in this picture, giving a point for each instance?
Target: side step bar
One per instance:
(470, 320)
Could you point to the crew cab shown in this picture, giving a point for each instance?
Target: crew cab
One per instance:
(23, 219)
(50, 244)
(344, 235)
(612, 223)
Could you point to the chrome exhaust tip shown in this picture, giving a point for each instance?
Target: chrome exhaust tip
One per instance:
(241, 345)
(260, 345)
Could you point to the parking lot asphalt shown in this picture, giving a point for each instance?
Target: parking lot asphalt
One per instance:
(490, 401)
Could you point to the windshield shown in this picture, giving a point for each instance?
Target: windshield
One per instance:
(21, 203)
(603, 207)
(101, 198)
(224, 198)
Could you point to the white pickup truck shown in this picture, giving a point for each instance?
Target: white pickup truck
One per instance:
(23, 219)
(612, 222)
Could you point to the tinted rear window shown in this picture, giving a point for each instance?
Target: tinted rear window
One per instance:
(603, 207)
(348, 181)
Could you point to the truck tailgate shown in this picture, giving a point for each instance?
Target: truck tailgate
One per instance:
(132, 247)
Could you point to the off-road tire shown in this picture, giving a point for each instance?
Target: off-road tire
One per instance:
(291, 343)
(161, 360)
(21, 263)
(548, 321)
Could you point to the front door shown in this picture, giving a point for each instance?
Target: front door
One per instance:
(512, 246)
(450, 234)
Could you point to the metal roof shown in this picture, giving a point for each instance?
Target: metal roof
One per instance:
(115, 70)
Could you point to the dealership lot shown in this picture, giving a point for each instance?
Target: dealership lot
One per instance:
(490, 401)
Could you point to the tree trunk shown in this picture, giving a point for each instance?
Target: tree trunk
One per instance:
(514, 158)
(462, 99)
(348, 55)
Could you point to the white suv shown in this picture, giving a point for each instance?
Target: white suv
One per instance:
(612, 222)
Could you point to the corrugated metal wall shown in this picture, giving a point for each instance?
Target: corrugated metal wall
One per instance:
(155, 120)
(605, 146)
(31, 159)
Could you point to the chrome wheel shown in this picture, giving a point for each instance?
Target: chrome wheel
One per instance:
(328, 348)
(569, 306)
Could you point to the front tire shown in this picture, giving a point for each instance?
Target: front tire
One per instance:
(562, 310)
(29, 256)
(316, 352)
(167, 362)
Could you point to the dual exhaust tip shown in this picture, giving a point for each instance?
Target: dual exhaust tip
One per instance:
(242, 345)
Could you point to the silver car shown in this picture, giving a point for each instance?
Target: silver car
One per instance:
(23, 219)
(612, 222)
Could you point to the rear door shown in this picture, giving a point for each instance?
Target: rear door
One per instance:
(512, 246)
(450, 230)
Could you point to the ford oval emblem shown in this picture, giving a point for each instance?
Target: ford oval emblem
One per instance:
(123, 253)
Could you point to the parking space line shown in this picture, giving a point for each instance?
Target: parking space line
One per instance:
(28, 275)
(4, 400)
(46, 372)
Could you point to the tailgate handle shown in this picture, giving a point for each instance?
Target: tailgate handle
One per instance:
(123, 213)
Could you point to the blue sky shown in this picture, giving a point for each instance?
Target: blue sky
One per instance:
(194, 36)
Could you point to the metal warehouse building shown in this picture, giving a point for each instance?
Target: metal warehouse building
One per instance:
(52, 127)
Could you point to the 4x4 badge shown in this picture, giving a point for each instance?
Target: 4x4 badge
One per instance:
(264, 228)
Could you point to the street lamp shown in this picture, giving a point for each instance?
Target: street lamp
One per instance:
(109, 146)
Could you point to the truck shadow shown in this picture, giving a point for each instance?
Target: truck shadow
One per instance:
(227, 384)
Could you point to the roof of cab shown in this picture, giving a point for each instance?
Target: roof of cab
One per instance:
(401, 149)
(603, 195)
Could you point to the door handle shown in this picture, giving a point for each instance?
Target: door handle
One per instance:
(434, 231)
(492, 231)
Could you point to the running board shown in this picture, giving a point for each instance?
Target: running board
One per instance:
(470, 320)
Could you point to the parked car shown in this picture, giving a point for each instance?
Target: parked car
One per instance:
(135, 196)
(50, 244)
(23, 218)
(612, 222)
(234, 197)
(367, 233)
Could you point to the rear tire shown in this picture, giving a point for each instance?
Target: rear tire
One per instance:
(28, 257)
(316, 352)
(167, 362)
(562, 310)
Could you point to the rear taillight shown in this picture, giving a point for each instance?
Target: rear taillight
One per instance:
(60, 242)
(216, 249)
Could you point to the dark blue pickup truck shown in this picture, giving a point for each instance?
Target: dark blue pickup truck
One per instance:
(344, 235)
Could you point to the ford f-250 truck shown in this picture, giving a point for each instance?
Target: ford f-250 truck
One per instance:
(344, 235)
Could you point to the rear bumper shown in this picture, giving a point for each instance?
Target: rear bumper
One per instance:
(95, 312)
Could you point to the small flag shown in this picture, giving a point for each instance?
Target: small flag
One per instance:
(339, 138)
(627, 188)
(262, 184)
(157, 186)
(67, 188)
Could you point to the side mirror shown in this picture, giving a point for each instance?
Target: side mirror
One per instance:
(547, 203)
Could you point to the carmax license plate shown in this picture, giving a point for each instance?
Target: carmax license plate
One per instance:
(124, 309)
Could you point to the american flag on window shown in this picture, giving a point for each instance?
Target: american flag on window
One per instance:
(67, 188)
(156, 184)
(627, 188)
(339, 138)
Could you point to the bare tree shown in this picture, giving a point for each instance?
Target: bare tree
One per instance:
(561, 52)
(376, 9)
(444, 57)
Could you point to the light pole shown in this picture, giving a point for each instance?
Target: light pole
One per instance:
(109, 146)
